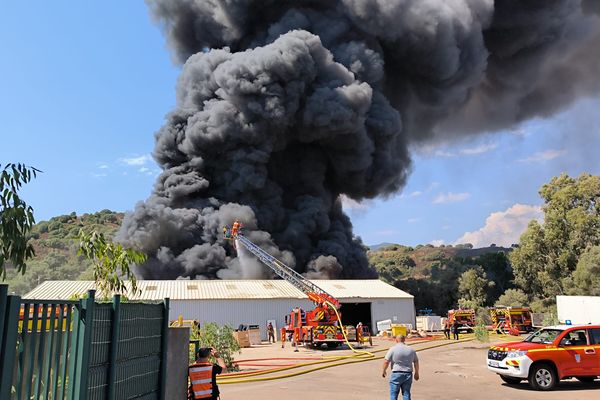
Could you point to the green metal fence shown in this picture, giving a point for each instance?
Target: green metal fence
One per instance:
(81, 350)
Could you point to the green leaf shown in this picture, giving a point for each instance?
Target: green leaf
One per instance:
(16, 218)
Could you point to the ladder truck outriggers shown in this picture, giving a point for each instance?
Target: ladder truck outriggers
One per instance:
(320, 326)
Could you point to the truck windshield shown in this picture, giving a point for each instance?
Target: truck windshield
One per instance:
(545, 336)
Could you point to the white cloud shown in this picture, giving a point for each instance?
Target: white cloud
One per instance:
(503, 227)
(437, 242)
(416, 193)
(413, 220)
(136, 161)
(99, 175)
(386, 232)
(353, 205)
(468, 151)
(103, 166)
(519, 132)
(543, 156)
(444, 198)
(442, 153)
(144, 169)
(481, 149)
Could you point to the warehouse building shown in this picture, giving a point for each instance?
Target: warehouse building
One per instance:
(254, 302)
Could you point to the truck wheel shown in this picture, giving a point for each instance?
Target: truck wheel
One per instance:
(586, 378)
(542, 377)
(331, 345)
(510, 380)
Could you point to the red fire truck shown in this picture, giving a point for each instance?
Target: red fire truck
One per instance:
(465, 318)
(319, 326)
(511, 320)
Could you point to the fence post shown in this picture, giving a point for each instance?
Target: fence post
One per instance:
(164, 349)
(84, 345)
(8, 345)
(3, 306)
(114, 346)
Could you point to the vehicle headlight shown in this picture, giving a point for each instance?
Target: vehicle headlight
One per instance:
(516, 353)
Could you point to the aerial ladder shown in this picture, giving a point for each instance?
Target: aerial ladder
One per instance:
(322, 325)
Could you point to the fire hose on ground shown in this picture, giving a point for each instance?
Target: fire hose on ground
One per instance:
(334, 362)
(255, 376)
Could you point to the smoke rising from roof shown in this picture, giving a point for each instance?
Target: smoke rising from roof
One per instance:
(283, 106)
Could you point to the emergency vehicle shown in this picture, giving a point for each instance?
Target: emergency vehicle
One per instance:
(549, 355)
(511, 320)
(319, 326)
(465, 318)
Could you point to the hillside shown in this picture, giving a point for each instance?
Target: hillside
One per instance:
(56, 249)
(431, 273)
(427, 272)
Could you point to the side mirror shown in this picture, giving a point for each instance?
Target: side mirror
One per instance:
(565, 343)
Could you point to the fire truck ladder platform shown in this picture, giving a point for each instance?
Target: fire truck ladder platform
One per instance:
(282, 270)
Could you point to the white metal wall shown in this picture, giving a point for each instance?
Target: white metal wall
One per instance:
(256, 312)
(235, 312)
(400, 311)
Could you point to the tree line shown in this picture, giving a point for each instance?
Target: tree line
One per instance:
(558, 256)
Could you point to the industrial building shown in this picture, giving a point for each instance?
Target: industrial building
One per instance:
(254, 302)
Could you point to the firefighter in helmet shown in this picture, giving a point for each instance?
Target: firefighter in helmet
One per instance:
(237, 225)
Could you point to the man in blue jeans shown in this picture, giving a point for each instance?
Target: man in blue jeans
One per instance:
(402, 359)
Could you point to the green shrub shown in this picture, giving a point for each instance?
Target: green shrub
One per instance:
(550, 319)
(220, 337)
(481, 332)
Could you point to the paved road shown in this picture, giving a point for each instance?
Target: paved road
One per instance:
(457, 372)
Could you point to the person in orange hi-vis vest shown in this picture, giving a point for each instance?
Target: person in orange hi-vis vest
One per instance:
(203, 375)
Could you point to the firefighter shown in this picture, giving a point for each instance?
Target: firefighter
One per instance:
(237, 225)
(203, 375)
(447, 326)
(271, 332)
(359, 333)
(455, 329)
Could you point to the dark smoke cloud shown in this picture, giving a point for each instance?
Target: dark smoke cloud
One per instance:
(283, 106)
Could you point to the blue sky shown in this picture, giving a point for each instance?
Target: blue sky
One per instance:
(84, 86)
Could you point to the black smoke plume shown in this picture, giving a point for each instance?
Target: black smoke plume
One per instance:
(283, 106)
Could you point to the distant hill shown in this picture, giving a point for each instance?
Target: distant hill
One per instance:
(380, 245)
(431, 273)
(56, 249)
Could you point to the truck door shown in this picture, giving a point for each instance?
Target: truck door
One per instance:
(594, 335)
(578, 357)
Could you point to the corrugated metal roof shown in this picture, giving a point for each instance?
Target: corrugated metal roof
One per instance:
(225, 289)
(363, 288)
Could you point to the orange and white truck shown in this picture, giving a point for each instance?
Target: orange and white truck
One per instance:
(549, 355)
(465, 318)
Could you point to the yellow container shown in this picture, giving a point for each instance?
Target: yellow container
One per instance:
(399, 330)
